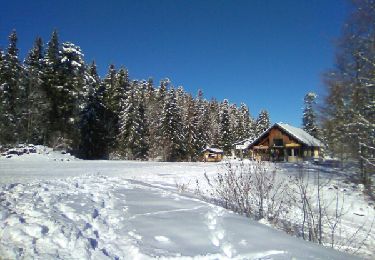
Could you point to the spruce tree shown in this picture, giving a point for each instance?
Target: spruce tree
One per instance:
(172, 129)
(37, 104)
(51, 74)
(226, 140)
(93, 131)
(12, 95)
(309, 120)
(72, 93)
(262, 123)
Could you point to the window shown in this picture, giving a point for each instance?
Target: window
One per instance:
(278, 142)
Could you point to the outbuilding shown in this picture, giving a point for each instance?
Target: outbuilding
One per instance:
(212, 154)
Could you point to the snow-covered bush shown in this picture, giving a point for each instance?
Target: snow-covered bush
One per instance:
(254, 189)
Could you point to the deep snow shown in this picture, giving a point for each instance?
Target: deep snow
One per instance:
(54, 208)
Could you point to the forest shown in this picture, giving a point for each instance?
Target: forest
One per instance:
(55, 99)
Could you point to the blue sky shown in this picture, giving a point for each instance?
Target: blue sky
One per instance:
(267, 54)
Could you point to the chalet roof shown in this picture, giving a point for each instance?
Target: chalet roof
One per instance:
(301, 135)
(213, 150)
(297, 133)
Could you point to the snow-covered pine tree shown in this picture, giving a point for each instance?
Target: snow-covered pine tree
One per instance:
(73, 92)
(309, 119)
(190, 127)
(12, 95)
(142, 140)
(112, 124)
(133, 135)
(37, 104)
(214, 123)
(51, 82)
(93, 131)
(262, 123)
(155, 109)
(247, 123)
(172, 129)
(203, 116)
(225, 141)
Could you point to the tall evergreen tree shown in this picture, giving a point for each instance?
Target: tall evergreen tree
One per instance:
(262, 123)
(309, 120)
(226, 140)
(93, 131)
(172, 129)
(37, 104)
(11, 95)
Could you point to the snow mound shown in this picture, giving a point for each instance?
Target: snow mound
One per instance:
(36, 152)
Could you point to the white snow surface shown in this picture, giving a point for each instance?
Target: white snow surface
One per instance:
(53, 206)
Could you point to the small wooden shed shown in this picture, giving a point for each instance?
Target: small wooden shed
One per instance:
(212, 154)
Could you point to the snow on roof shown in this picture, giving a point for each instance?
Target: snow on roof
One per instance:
(300, 135)
(214, 150)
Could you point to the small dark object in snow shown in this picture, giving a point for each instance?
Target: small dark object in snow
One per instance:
(334, 186)
(359, 214)
(62, 159)
(8, 156)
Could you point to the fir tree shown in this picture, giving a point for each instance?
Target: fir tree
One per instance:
(309, 120)
(226, 141)
(262, 122)
(94, 137)
(133, 137)
(37, 104)
(172, 129)
(12, 95)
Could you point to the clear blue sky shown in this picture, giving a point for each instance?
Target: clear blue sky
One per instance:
(267, 54)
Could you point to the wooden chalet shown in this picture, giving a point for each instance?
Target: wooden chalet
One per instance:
(212, 154)
(283, 142)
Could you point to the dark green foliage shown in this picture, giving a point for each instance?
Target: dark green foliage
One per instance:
(55, 99)
(12, 95)
(309, 119)
(262, 123)
(37, 104)
(226, 141)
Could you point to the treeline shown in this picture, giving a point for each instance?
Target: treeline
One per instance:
(54, 98)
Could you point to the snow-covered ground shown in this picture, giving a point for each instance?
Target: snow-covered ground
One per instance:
(53, 206)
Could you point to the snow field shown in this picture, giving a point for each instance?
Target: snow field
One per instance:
(53, 209)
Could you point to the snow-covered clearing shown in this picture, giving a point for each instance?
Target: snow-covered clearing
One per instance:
(55, 208)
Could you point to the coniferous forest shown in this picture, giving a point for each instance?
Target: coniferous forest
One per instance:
(55, 98)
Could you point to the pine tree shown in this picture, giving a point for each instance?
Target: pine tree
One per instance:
(309, 120)
(72, 93)
(172, 129)
(11, 95)
(262, 122)
(109, 85)
(93, 131)
(37, 104)
(226, 140)
(247, 123)
(51, 74)
(203, 117)
(133, 136)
